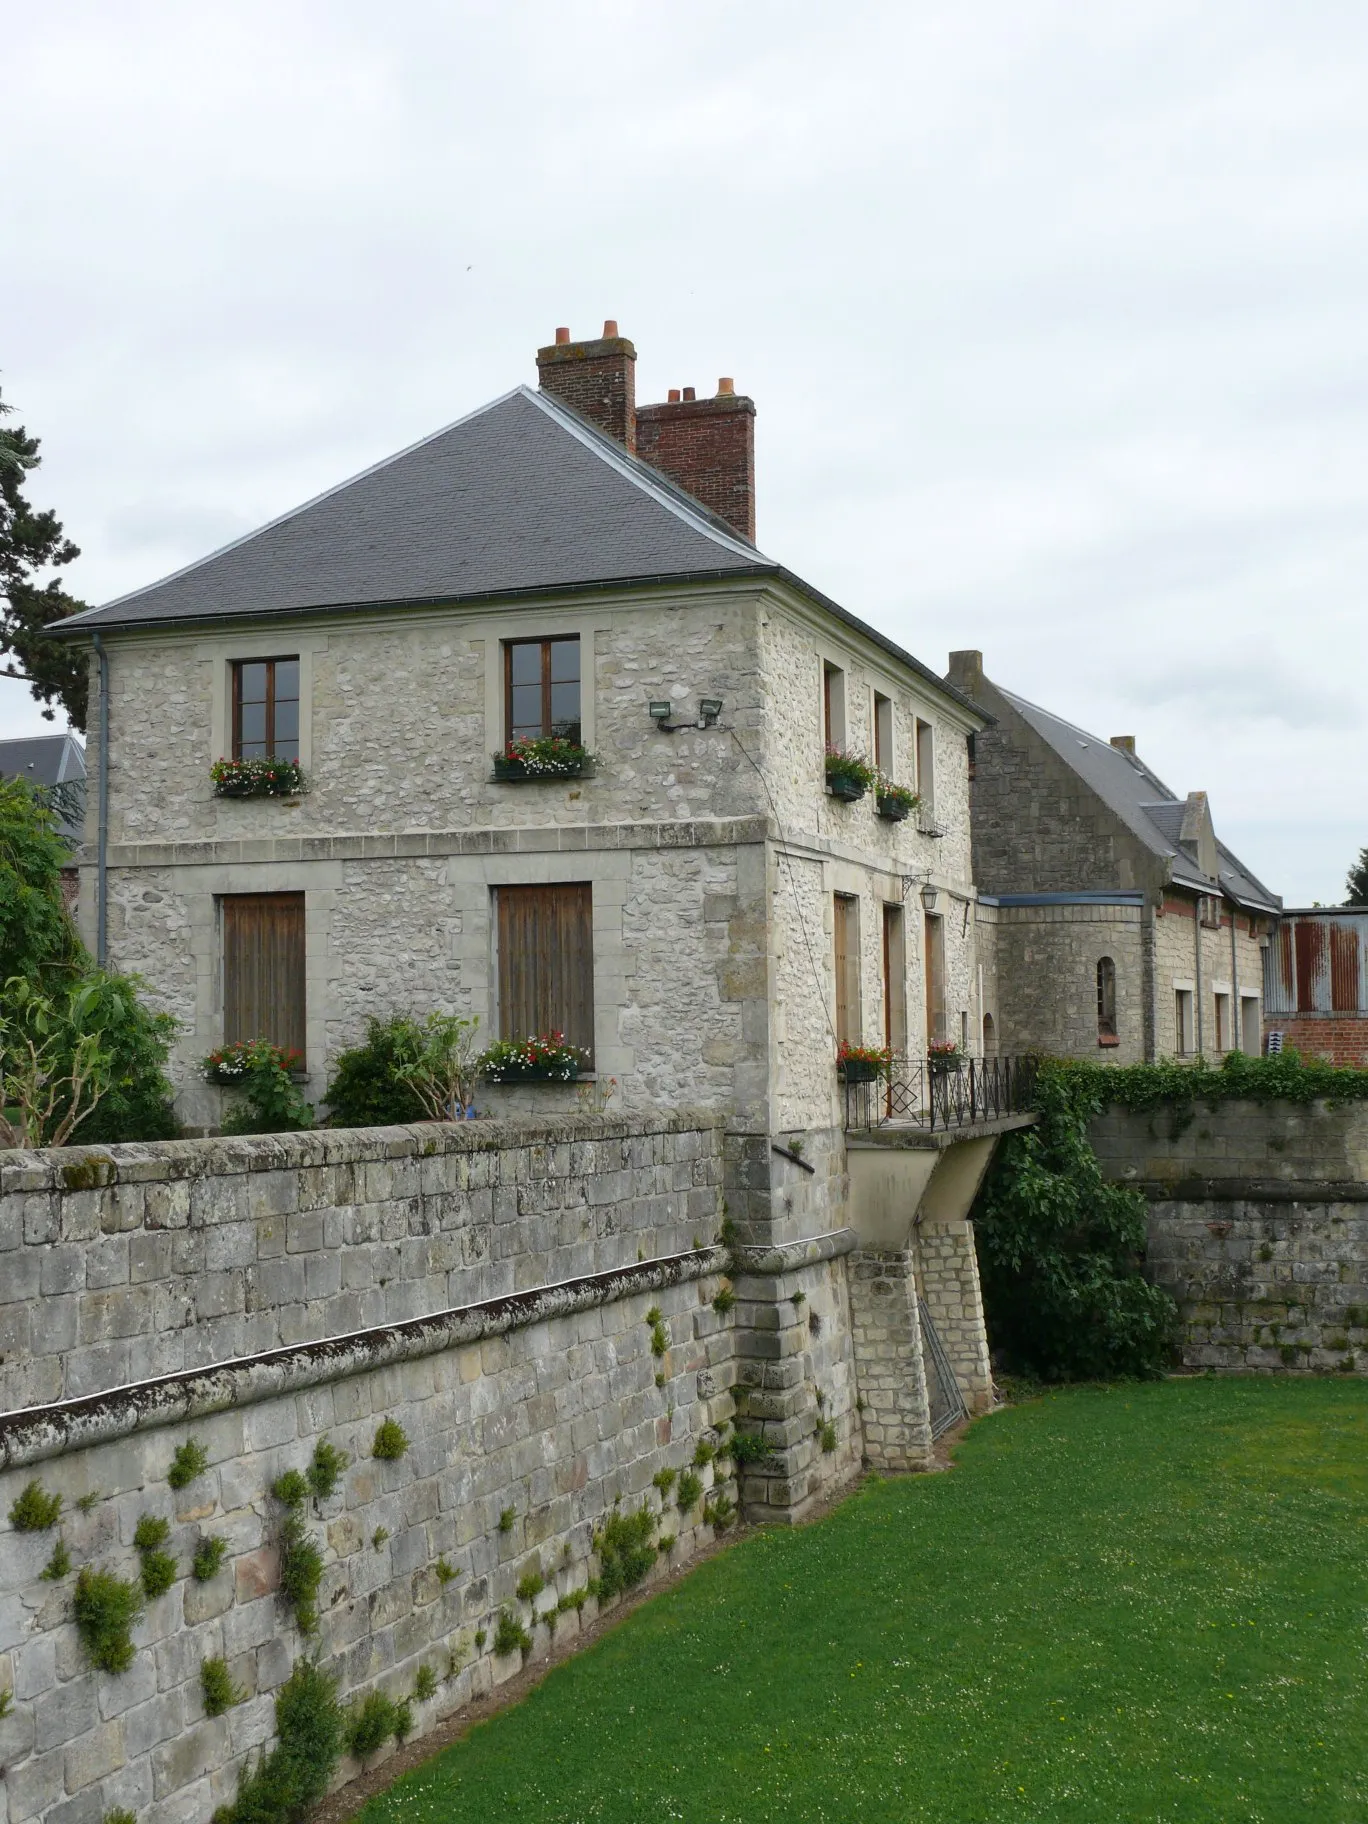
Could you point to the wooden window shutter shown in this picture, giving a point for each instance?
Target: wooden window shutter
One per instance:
(847, 935)
(263, 968)
(546, 963)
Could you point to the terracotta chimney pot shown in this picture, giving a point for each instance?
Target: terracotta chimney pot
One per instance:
(688, 392)
(726, 388)
(610, 328)
(562, 337)
(674, 395)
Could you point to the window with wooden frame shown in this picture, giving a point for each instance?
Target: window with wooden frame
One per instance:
(542, 688)
(833, 708)
(546, 963)
(883, 732)
(266, 709)
(926, 767)
(263, 968)
(1106, 1001)
(846, 932)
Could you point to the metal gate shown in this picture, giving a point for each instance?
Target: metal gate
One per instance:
(943, 1394)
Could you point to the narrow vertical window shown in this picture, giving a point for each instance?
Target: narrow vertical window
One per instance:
(935, 979)
(542, 689)
(1222, 1022)
(266, 709)
(1250, 1025)
(1182, 1021)
(883, 733)
(926, 767)
(846, 910)
(989, 1036)
(263, 968)
(833, 707)
(546, 963)
(894, 980)
(1106, 1001)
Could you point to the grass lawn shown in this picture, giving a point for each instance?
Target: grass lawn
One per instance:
(1145, 1603)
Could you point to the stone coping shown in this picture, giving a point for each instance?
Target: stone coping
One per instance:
(39, 1432)
(87, 1168)
(1248, 1190)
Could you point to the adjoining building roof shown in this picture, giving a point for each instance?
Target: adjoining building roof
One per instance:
(523, 496)
(1148, 808)
(43, 759)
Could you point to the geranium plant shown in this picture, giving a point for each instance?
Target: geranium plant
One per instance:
(945, 1052)
(848, 776)
(264, 1074)
(542, 757)
(894, 801)
(546, 1057)
(271, 777)
(862, 1063)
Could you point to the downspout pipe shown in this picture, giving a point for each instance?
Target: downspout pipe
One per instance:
(102, 835)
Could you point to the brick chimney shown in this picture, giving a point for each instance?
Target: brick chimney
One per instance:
(708, 447)
(597, 378)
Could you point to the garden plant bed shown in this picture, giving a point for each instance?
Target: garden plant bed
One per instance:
(1128, 1603)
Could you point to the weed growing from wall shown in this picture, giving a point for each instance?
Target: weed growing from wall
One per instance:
(104, 1608)
(749, 1448)
(660, 1335)
(826, 1437)
(119, 1817)
(191, 1459)
(625, 1550)
(58, 1565)
(325, 1468)
(530, 1585)
(690, 1491)
(724, 1301)
(424, 1684)
(446, 1573)
(282, 1785)
(375, 1720)
(664, 1480)
(379, 1536)
(510, 1636)
(391, 1441)
(208, 1559)
(219, 1691)
(88, 1503)
(301, 1557)
(720, 1512)
(34, 1511)
(704, 1452)
(506, 1519)
(158, 1567)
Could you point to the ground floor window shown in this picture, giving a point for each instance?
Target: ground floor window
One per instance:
(1184, 1034)
(1106, 1001)
(1223, 1036)
(263, 968)
(546, 962)
(1251, 1026)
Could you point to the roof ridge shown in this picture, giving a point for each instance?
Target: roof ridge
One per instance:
(650, 480)
(303, 506)
(1134, 761)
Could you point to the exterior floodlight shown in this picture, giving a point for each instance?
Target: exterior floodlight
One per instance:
(660, 712)
(709, 709)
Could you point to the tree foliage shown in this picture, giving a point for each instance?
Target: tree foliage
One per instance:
(1356, 887)
(32, 541)
(82, 1059)
(1061, 1250)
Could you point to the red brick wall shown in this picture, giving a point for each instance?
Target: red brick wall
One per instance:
(598, 379)
(1342, 1038)
(708, 447)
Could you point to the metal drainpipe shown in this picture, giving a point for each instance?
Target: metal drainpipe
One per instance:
(101, 844)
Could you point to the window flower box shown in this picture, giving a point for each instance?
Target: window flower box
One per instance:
(546, 1059)
(542, 757)
(944, 1056)
(848, 776)
(231, 1065)
(863, 1063)
(894, 802)
(265, 778)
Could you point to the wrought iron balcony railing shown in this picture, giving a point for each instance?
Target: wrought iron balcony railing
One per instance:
(935, 1093)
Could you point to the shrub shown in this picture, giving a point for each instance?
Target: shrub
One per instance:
(58, 1565)
(445, 1067)
(511, 1636)
(208, 1559)
(369, 1087)
(270, 1100)
(530, 1586)
(158, 1573)
(664, 1480)
(301, 1571)
(291, 1489)
(104, 1608)
(391, 1441)
(625, 1550)
(325, 1468)
(151, 1532)
(424, 1684)
(1060, 1250)
(374, 1721)
(34, 1511)
(720, 1512)
(749, 1448)
(704, 1452)
(690, 1489)
(191, 1460)
(284, 1784)
(220, 1693)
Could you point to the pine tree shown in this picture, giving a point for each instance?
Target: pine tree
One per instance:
(30, 541)
(1356, 887)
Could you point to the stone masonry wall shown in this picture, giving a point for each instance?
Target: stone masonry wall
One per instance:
(1258, 1225)
(886, 1327)
(947, 1274)
(1047, 960)
(487, 1288)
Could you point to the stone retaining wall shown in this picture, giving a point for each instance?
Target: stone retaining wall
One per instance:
(1258, 1225)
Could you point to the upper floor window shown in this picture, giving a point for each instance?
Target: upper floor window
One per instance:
(926, 766)
(883, 732)
(833, 707)
(266, 709)
(542, 688)
(1106, 1001)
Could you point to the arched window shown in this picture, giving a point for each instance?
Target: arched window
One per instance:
(989, 1036)
(1106, 1001)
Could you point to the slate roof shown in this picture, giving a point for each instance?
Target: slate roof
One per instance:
(520, 497)
(43, 759)
(1148, 808)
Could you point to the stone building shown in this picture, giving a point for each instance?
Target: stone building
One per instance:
(1113, 923)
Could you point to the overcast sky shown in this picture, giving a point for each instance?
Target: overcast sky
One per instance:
(1056, 316)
